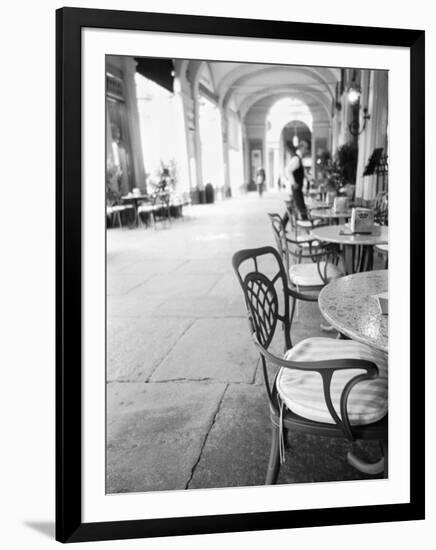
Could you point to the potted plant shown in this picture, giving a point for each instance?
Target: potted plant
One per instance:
(341, 173)
(347, 162)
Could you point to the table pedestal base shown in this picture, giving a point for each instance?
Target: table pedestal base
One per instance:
(369, 468)
(358, 258)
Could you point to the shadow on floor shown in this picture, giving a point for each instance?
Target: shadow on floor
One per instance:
(46, 528)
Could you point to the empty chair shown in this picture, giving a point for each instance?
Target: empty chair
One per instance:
(323, 386)
(113, 212)
(145, 210)
(299, 225)
(162, 207)
(381, 208)
(322, 266)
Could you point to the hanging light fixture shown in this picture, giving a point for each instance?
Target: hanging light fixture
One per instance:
(295, 140)
(354, 90)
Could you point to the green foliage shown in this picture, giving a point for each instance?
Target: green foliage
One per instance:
(346, 158)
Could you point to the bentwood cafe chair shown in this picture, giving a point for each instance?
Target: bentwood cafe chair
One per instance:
(321, 267)
(321, 386)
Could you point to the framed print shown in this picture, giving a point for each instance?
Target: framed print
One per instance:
(240, 264)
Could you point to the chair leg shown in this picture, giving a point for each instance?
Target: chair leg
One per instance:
(274, 458)
(298, 305)
(370, 468)
(384, 448)
(291, 317)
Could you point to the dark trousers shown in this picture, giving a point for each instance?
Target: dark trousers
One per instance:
(300, 205)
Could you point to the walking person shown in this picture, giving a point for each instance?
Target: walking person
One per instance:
(295, 173)
(260, 181)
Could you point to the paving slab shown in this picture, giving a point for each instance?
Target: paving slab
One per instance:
(201, 307)
(312, 459)
(122, 283)
(151, 266)
(136, 346)
(155, 433)
(216, 349)
(227, 286)
(237, 448)
(131, 305)
(236, 451)
(201, 267)
(169, 285)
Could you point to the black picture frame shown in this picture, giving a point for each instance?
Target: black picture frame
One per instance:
(69, 525)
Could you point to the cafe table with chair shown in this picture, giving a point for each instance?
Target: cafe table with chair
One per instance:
(356, 239)
(331, 387)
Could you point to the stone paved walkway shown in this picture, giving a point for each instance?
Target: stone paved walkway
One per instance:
(186, 406)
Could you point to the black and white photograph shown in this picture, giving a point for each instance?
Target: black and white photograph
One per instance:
(217, 288)
(247, 268)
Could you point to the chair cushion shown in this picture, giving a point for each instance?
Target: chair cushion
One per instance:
(382, 247)
(303, 240)
(313, 243)
(308, 275)
(305, 223)
(302, 392)
(304, 237)
(308, 224)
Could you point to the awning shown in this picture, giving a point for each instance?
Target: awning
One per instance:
(160, 70)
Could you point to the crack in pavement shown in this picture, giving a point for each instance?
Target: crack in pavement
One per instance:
(159, 363)
(187, 380)
(206, 438)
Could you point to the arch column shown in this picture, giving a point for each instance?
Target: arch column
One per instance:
(130, 96)
(246, 156)
(197, 141)
(375, 96)
(320, 140)
(225, 141)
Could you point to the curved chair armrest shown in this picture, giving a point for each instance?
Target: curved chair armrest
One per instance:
(300, 296)
(330, 253)
(300, 241)
(310, 255)
(326, 369)
(316, 225)
(318, 366)
(325, 248)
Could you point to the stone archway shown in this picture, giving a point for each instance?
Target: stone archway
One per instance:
(287, 120)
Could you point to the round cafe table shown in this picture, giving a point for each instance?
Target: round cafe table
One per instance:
(135, 199)
(349, 305)
(357, 248)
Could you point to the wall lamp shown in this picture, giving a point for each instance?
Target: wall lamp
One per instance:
(354, 92)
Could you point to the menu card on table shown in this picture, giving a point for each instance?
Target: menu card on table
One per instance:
(383, 302)
(362, 220)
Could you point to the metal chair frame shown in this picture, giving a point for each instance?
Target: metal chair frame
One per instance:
(262, 304)
(162, 207)
(295, 221)
(317, 251)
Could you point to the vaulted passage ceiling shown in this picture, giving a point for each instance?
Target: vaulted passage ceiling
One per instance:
(245, 87)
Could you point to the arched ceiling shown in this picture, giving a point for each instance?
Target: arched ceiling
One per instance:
(318, 104)
(248, 86)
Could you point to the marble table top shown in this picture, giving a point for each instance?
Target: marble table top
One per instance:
(349, 305)
(331, 234)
